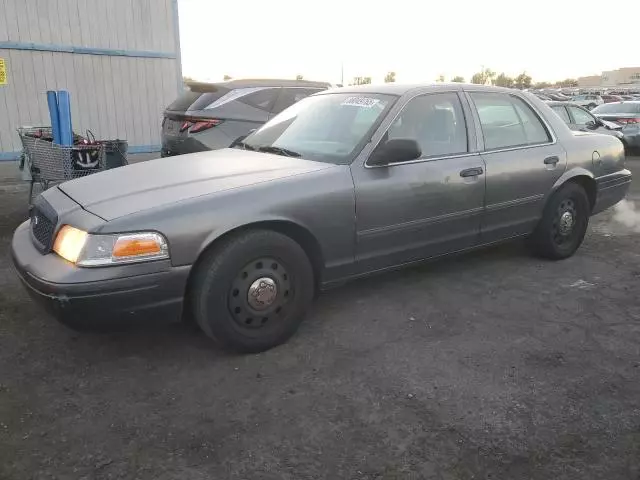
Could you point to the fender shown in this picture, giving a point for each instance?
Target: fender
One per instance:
(568, 175)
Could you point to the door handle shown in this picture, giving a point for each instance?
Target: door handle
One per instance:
(471, 172)
(551, 160)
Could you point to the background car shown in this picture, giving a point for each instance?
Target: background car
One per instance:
(212, 115)
(579, 119)
(625, 114)
(589, 101)
(611, 98)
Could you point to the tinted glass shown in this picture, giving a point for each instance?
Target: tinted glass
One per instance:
(507, 121)
(618, 108)
(329, 128)
(580, 117)
(562, 113)
(207, 98)
(289, 96)
(436, 122)
(184, 101)
(262, 98)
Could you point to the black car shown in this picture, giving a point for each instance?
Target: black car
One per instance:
(209, 116)
(580, 119)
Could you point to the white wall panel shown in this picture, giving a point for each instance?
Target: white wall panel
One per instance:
(114, 96)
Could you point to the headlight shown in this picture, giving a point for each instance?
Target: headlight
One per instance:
(86, 250)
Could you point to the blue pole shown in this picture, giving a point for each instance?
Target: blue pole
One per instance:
(64, 108)
(52, 102)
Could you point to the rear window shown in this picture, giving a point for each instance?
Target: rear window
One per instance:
(208, 98)
(256, 97)
(184, 101)
(617, 108)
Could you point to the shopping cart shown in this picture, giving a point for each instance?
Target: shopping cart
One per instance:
(49, 163)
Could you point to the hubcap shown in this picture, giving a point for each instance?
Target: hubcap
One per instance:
(566, 223)
(262, 293)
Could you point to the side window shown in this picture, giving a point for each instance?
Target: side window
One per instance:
(580, 117)
(256, 97)
(436, 122)
(507, 121)
(262, 98)
(289, 96)
(562, 113)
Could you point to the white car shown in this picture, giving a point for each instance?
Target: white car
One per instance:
(588, 101)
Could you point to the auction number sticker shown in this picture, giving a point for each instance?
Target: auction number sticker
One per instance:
(3, 72)
(364, 102)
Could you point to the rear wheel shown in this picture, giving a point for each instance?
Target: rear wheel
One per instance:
(563, 225)
(251, 292)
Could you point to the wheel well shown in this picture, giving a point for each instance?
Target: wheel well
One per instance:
(298, 234)
(589, 186)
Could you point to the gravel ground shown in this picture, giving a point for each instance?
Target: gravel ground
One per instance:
(488, 365)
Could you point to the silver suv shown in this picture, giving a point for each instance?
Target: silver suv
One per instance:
(209, 116)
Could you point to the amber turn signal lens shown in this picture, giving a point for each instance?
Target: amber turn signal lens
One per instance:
(134, 247)
(69, 243)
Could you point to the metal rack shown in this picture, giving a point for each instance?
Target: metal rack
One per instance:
(50, 163)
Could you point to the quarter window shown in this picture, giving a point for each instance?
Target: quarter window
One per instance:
(507, 121)
(436, 122)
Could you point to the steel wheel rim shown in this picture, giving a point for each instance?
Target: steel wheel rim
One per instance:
(565, 222)
(260, 293)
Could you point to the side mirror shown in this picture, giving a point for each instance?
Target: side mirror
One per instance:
(394, 151)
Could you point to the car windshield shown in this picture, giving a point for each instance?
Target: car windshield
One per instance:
(329, 128)
(617, 108)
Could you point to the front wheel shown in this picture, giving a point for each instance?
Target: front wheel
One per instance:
(250, 293)
(563, 225)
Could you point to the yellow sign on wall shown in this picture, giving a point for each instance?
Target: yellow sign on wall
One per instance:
(3, 72)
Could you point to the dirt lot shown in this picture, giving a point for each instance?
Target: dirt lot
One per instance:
(489, 365)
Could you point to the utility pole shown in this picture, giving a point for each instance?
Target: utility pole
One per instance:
(342, 74)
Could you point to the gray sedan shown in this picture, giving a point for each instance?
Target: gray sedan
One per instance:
(343, 184)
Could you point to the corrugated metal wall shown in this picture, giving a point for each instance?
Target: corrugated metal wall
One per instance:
(128, 73)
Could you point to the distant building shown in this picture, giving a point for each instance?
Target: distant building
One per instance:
(622, 77)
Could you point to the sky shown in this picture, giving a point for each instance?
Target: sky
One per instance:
(419, 40)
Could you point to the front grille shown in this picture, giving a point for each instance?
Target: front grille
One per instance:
(43, 225)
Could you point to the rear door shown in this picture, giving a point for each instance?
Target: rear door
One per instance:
(523, 161)
(290, 95)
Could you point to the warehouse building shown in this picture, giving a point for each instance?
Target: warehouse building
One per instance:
(119, 59)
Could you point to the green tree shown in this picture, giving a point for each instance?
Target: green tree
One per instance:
(299, 77)
(504, 80)
(523, 81)
(227, 78)
(542, 85)
(458, 79)
(390, 77)
(440, 78)
(484, 77)
(188, 80)
(568, 82)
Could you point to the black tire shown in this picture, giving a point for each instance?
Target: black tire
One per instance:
(220, 293)
(553, 238)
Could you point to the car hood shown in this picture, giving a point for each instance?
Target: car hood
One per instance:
(122, 191)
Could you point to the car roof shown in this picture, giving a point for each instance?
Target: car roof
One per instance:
(255, 82)
(401, 88)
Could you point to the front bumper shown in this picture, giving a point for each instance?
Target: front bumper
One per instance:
(97, 296)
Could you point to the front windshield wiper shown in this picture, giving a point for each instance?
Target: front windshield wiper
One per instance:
(241, 144)
(278, 151)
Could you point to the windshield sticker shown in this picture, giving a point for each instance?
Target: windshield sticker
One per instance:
(363, 102)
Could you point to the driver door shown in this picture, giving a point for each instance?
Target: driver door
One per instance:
(424, 207)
